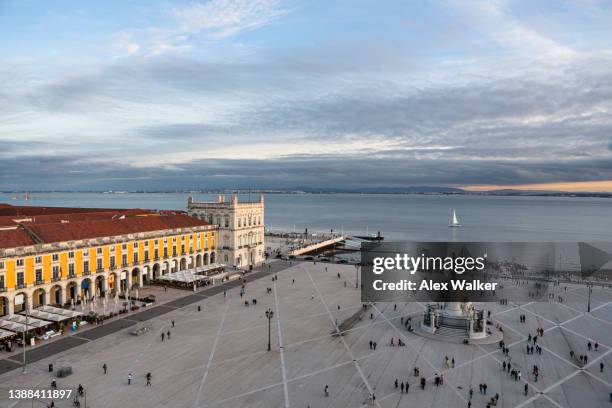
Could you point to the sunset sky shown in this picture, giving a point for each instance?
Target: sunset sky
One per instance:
(287, 94)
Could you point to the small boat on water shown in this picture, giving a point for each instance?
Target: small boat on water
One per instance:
(454, 221)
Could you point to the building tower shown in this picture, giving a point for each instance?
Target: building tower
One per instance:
(241, 228)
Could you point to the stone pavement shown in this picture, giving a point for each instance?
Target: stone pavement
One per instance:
(218, 358)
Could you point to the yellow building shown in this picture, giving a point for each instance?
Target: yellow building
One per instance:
(56, 256)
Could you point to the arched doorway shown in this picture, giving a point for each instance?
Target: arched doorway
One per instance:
(166, 269)
(20, 302)
(112, 282)
(135, 278)
(100, 289)
(146, 274)
(212, 257)
(86, 288)
(183, 264)
(123, 281)
(71, 292)
(206, 259)
(4, 306)
(198, 260)
(156, 271)
(56, 295)
(38, 297)
(174, 265)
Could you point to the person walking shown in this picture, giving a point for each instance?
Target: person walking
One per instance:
(402, 388)
(168, 334)
(149, 379)
(173, 323)
(526, 388)
(130, 379)
(104, 367)
(163, 335)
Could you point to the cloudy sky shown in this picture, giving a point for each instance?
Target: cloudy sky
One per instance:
(280, 94)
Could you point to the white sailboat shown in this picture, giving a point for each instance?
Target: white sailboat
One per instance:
(454, 221)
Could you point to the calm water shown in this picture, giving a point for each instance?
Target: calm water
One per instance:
(415, 217)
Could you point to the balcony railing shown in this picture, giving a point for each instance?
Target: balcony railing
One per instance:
(72, 275)
(56, 279)
(2, 289)
(21, 286)
(39, 282)
(87, 273)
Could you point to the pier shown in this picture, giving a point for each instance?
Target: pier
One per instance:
(316, 246)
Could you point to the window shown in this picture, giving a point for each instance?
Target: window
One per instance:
(71, 254)
(86, 266)
(71, 269)
(173, 251)
(2, 282)
(1, 264)
(124, 259)
(112, 262)
(20, 262)
(239, 223)
(20, 280)
(99, 251)
(112, 250)
(165, 252)
(99, 265)
(135, 244)
(56, 273)
(135, 257)
(39, 277)
(38, 259)
(183, 249)
(156, 252)
(146, 255)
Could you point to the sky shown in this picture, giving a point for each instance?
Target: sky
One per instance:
(173, 95)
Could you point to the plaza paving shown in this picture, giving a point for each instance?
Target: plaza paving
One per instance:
(217, 357)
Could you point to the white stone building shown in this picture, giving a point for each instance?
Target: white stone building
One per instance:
(241, 228)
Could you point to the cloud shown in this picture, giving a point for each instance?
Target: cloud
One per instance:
(125, 44)
(210, 21)
(322, 171)
(225, 18)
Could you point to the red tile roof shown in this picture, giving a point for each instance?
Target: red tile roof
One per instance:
(107, 228)
(14, 238)
(21, 210)
(54, 226)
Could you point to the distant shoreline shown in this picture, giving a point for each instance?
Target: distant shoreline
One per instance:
(506, 193)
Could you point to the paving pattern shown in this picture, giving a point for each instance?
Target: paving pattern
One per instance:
(218, 357)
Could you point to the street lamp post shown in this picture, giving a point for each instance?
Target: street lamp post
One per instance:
(590, 287)
(356, 276)
(269, 315)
